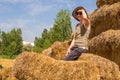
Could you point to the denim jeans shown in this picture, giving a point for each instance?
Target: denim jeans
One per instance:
(74, 53)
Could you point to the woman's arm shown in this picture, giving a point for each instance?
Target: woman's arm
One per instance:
(86, 22)
(72, 43)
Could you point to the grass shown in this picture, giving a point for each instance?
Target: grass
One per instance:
(7, 57)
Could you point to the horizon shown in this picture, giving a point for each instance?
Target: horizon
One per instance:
(32, 16)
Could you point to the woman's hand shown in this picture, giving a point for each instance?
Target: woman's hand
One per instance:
(68, 52)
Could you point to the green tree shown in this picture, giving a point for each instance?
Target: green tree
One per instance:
(38, 44)
(44, 34)
(43, 42)
(12, 42)
(19, 41)
(60, 31)
(12, 49)
(0, 36)
(46, 39)
(0, 42)
(62, 27)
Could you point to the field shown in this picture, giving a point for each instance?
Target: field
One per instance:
(7, 57)
(6, 62)
(6, 69)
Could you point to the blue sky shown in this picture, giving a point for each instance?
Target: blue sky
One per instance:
(32, 16)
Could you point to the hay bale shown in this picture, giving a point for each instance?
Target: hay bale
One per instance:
(108, 70)
(107, 44)
(1, 67)
(57, 50)
(105, 18)
(100, 3)
(47, 51)
(6, 74)
(6, 70)
(6, 62)
(33, 66)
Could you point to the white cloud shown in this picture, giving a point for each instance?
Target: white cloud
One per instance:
(68, 3)
(63, 1)
(14, 24)
(26, 42)
(18, 1)
(3, 25)
(22, 23)
(6, 26)
(37, 8)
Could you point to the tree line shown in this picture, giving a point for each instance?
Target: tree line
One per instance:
(60, 31)
(11, 42)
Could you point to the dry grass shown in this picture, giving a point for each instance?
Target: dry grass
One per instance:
(108, 70)
(33, 66)
(6, 72)
(6, 62)
(100, 3)
(105, 18)
(107, 45)
(57, 50)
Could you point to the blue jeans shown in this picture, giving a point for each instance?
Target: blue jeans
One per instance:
(74, 53)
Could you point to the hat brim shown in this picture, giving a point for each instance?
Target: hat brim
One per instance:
(74, 14)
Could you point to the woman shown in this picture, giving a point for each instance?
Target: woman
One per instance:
(79, 43)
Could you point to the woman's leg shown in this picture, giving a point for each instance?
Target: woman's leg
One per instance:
(74, 54)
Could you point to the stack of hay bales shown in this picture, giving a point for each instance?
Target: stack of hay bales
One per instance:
(100, 3)
(33, 66)
(107, 44)
(104, 18)
(104, 41)
(108, 70)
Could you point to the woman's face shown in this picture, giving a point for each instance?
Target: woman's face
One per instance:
(81, 14)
